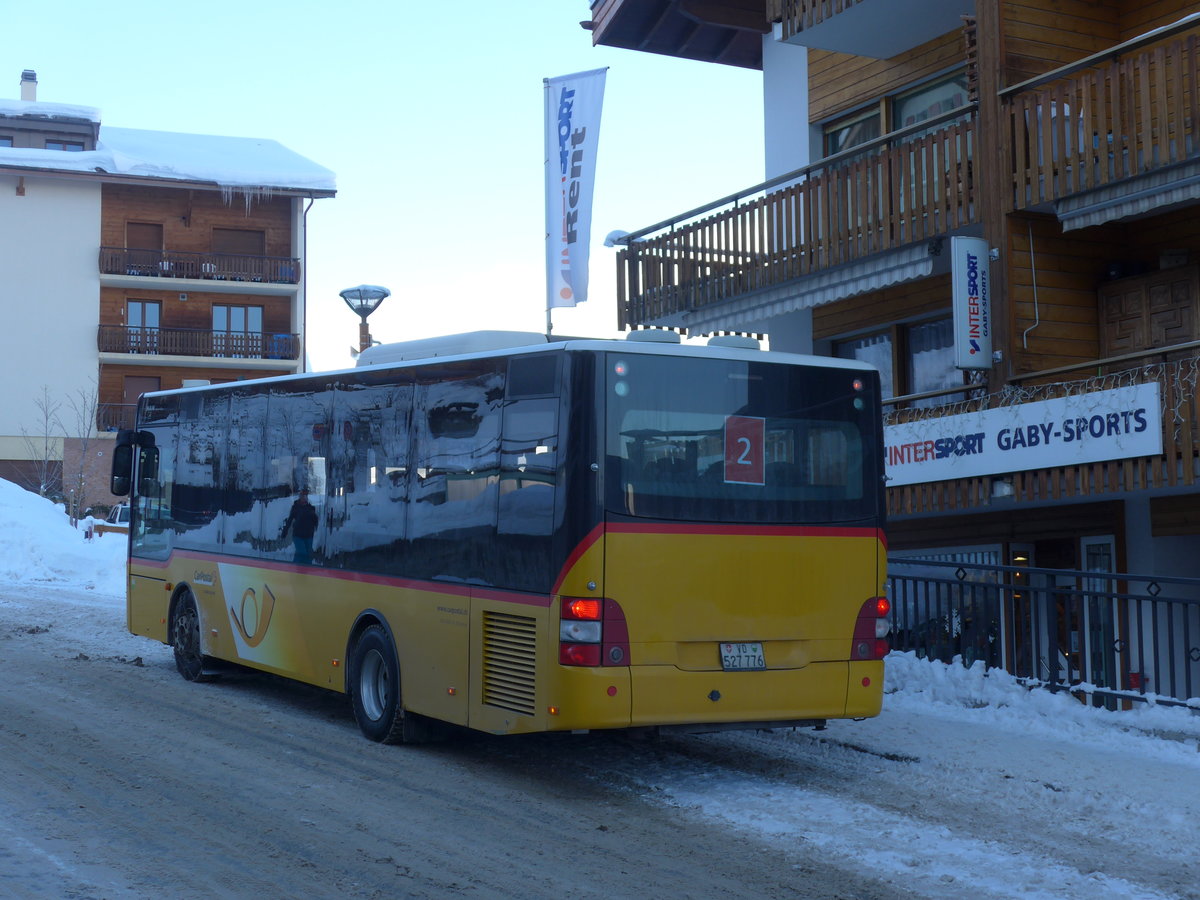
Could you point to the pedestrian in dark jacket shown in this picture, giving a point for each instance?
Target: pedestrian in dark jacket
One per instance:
(303, 521)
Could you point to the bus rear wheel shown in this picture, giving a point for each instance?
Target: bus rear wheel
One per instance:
(373, 682)
(185, 638)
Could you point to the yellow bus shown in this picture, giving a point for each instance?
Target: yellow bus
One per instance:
(515, 535)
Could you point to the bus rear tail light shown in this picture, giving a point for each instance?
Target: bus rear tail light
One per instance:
(871, 630)
(592, 632)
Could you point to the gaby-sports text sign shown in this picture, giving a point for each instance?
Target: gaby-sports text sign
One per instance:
(1115, 424)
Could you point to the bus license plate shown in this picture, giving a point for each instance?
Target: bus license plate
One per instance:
(742, 657)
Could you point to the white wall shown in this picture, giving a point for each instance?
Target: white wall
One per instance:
(786, 143)
(785, 107)
(49, 295)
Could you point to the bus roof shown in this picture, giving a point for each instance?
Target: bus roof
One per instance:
(482, 344)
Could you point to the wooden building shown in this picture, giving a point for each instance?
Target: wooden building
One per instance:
(1066, 137)
(133, 261)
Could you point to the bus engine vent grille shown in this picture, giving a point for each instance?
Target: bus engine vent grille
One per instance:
(509, 662)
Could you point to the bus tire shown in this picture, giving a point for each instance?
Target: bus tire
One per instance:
(185, 638)
(373, 682)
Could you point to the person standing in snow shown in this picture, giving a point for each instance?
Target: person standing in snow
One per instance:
(303, 521)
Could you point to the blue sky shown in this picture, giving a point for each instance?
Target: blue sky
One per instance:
(431, 116)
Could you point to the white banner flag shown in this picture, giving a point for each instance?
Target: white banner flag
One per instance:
(572, 132)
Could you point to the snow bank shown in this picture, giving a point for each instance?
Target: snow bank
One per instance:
(913, 683)
(38, 545)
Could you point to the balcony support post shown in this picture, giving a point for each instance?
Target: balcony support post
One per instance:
(993, 193)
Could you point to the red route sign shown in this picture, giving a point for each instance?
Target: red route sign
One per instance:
(744, 439)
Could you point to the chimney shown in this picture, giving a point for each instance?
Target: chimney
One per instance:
(29, 85)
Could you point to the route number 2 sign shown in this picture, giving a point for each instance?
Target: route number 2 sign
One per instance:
(744, 439)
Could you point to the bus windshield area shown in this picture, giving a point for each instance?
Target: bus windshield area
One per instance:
(719, 440)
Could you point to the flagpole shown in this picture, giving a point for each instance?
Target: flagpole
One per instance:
(546, 178)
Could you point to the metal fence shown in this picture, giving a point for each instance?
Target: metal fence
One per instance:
(1110, 637)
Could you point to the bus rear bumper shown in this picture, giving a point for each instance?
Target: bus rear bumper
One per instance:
(665, 695)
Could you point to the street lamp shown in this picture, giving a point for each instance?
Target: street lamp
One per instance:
(364, 300)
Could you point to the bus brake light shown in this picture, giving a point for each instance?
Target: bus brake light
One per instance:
(871, 630)
(588, 609)
(592, 632)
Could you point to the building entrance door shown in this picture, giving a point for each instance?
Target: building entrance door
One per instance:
(1101, 620)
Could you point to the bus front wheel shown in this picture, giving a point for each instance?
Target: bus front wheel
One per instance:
(373, 682)
(185, 638)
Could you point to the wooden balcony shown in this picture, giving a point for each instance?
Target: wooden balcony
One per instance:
(197, 342)
(1129, 112)
(1174, 368)
(116, 416)
(206, 266)
(910, 186)
(801, 15)
(881, 29)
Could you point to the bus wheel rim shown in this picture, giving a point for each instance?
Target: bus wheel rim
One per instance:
(374, 688)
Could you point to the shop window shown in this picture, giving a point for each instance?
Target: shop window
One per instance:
(911, 359)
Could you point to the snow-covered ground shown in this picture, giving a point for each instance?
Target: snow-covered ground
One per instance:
(967, 784)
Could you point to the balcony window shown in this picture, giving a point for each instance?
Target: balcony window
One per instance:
(896, 111)
(237, 330)
(861, 128)
(929, 100)
(75, 146)
(5, 140)
(143, 318)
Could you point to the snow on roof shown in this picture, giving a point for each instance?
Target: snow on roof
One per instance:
(48, 110)
(231, 162)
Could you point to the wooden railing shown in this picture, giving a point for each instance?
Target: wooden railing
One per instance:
(210, 266)
(115, 416)
(797, 15)
(1176, 369)
(904, 188)
(1125, 112)
(197, 342)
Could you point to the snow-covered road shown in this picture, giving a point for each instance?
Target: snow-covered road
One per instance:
(968, 784)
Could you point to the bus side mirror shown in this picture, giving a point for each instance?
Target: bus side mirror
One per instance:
(122, 464)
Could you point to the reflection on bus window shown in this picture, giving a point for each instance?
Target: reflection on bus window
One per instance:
(745, 442)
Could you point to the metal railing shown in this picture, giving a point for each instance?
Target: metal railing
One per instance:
(1110, 636)
(205, 266)
(197, 342)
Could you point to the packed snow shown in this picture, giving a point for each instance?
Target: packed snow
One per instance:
(969, 783)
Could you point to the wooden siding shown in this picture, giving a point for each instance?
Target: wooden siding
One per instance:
(838, 82)
(189, 216)
(1139, 16)
(1008, 525)
(1041, 36)
(1052, 295)
(910, 301)
(112, 378)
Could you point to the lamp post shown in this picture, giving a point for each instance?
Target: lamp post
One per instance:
(364, 300)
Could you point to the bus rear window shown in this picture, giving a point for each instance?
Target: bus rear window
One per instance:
(724, 440)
